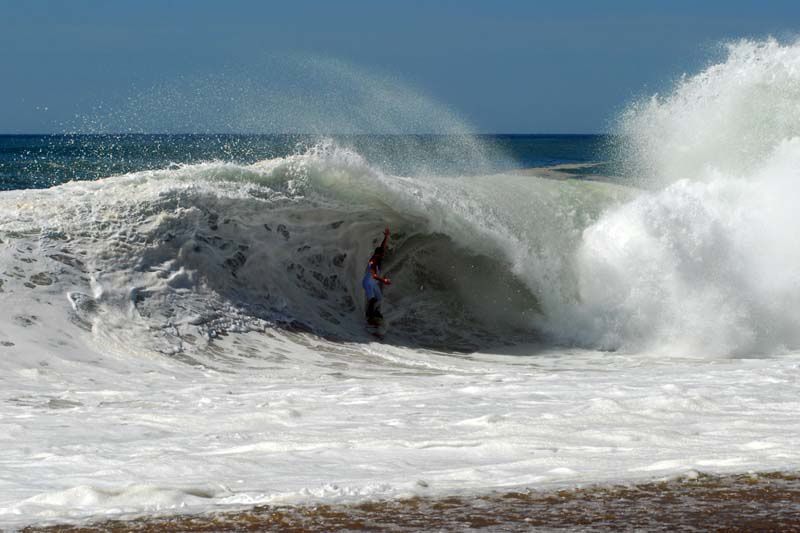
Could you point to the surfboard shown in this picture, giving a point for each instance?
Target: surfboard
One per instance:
(376, 327)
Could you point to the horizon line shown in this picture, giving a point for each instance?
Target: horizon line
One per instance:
(75, 134)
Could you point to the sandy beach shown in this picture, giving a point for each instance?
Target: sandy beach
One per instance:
(747, 502)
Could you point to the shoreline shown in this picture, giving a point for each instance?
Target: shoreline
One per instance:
(731, 502)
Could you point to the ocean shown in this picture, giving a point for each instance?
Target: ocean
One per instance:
(575, 323)
(41, 161)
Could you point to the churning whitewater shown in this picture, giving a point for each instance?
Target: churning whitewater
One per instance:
(192, 338)
(709, 264)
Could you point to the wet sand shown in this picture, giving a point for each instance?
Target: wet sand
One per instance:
(747, 502)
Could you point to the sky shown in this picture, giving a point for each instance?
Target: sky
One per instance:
(499, 66)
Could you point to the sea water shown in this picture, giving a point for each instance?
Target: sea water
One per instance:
(183, 331)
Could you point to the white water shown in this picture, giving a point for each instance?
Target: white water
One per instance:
(156, 353)
(708, 265)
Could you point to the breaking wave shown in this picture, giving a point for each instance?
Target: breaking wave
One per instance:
(168, 260)
(704, 261)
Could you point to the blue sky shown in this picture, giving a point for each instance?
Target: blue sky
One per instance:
(501, 66)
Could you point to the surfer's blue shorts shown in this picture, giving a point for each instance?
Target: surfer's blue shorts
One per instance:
(372, 288)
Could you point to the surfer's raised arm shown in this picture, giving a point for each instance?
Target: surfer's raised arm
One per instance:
(386, 234)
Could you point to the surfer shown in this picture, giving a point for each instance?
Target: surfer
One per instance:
(374, 280)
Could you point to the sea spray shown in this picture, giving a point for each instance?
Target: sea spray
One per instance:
(708, 265)
(303, 98)
(727, 119)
